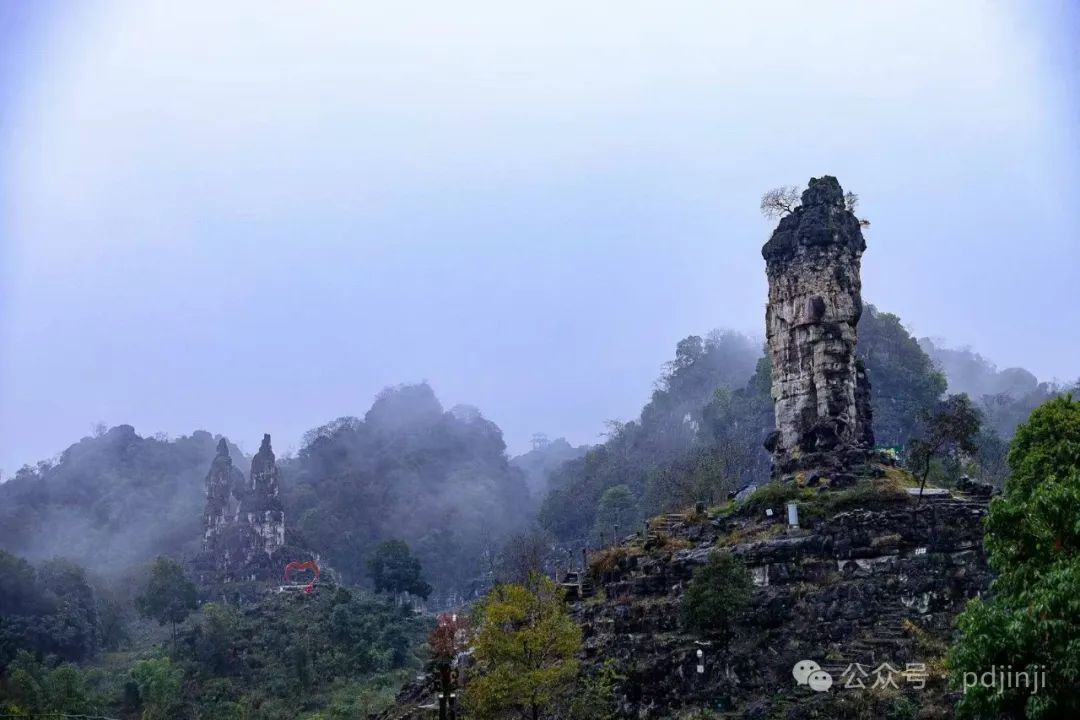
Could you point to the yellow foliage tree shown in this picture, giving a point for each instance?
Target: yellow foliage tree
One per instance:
(526, 649)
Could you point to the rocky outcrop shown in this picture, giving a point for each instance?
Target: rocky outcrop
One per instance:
(820, 388)
(873, 586)
(869, 593)
(261, 509)
(224, 484)
(245, 544)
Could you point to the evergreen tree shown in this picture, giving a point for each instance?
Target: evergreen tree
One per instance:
(1031, 619)
(168, 597)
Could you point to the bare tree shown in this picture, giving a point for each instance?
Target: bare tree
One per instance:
(851, 201)
(781, 201)
(523, 554)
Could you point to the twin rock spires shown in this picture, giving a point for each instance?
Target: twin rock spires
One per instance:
(244, 519)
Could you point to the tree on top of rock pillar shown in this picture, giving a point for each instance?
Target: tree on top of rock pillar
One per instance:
(820, 388)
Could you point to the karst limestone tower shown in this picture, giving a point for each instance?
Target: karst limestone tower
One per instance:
(224, 483)
(261, 509)
(820, 389)
(246, 545)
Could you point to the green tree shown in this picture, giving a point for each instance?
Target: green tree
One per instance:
(904, 382)
(394, 569)
(594, 698)
(526, 648)
(949, 430)
(159, 687)
(1031, 619)
(75, 619)
(717, 594)
(168, 597)
(33, 689)
(618, 508)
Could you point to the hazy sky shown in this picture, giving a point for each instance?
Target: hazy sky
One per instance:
(250, 217)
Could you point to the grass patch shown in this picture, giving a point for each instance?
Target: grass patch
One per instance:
(671, 544)
(815, 504)
(604, 562)
(777, 495)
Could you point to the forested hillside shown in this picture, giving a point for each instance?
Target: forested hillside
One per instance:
(439, 480)
(110, 501)
(701, 435)
(545, 457)
(335, 651)
(1006, 397)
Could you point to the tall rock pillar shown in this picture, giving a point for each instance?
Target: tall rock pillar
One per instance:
(261, 509)
(219, 490)
(820, 388)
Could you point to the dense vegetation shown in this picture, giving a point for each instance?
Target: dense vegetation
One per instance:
(719, 591)
(438, 480)
(649, 456)
(1006, 397)
(332, 654)
(111, 501)
(701, 435)
(417, 499)
(526, 649)
(1031, 621)
(47, 610)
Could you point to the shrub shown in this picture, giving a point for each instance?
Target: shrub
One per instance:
(606, 561)
(717, 594)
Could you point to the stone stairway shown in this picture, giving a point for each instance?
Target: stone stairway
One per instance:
(664, 525)
(578, 587)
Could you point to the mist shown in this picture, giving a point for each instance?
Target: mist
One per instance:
(254, 218)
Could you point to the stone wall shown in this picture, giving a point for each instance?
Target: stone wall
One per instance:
(877, 585)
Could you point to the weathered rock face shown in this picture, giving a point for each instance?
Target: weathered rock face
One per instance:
(245, 544)
(869, 593)
(262, 509)
(869, 589)
(820, 388)
(224, 483)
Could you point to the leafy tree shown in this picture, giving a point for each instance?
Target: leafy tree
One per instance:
(673, 425)
(48, 610)
(717, 593)
(343, 652)
(65, 584)
(1031, 619)
(594, 698)
(168, 597)
(617, 508)
(394, 569)
(526, 648)
(159, 687)
(904, 382)
(34, 689)
(951, 428)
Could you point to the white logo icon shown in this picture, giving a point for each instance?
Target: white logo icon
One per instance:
(808, 672)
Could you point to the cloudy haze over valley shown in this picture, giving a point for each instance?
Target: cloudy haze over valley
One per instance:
(252, 218)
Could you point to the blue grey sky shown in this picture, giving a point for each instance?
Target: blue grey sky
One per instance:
(250, 217)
